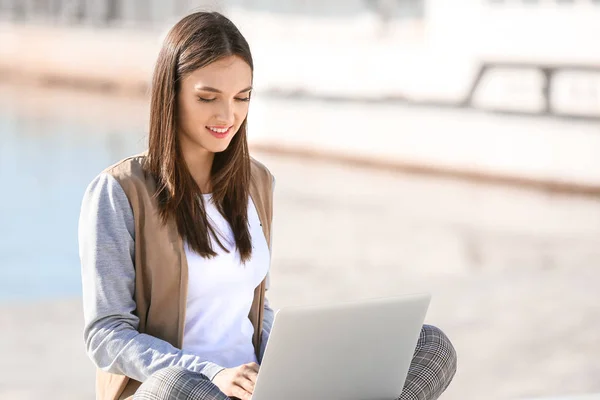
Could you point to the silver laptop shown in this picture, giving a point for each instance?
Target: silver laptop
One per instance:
(351, 351)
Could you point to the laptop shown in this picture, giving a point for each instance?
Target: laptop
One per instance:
(351, 351)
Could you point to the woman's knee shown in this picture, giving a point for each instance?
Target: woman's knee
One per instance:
(177, 383)
(435, 345)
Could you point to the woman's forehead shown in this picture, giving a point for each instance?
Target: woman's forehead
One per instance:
(228, 75)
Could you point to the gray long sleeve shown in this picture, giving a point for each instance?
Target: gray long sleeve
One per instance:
(268, 318)
(106, 249)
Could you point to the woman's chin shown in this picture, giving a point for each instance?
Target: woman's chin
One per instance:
(217, 147)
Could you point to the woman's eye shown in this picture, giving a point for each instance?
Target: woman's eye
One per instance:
(205, 100)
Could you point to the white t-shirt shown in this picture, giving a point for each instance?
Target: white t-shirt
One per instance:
(220, 294)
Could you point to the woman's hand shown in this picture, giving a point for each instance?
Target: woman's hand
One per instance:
(237, 382)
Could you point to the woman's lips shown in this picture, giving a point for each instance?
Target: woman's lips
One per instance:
(219, 132)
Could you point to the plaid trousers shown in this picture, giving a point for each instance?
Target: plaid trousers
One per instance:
(432, 368)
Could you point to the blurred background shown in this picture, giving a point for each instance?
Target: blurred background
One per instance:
(418, 145)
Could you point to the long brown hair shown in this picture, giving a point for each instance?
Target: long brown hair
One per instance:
(194, 42)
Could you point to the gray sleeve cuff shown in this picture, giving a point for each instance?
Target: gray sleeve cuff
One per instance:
(210, 370)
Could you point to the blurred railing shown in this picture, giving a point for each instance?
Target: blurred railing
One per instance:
(152, 12)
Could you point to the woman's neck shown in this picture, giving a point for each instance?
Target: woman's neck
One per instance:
(199, 163)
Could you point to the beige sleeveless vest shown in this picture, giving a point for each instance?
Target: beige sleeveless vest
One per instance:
(161, 266)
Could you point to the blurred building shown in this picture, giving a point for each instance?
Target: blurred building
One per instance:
(153, 12)
(523, 56)
(447, 50)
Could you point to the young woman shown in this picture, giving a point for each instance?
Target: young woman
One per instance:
(175, 242)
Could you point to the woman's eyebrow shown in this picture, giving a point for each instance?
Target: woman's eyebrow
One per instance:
(214, 90)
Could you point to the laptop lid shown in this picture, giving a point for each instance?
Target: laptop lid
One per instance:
(352, 351)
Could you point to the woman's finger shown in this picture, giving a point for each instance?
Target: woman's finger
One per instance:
(251, 374)
(253, 366)
(240, 392)
(245, 383)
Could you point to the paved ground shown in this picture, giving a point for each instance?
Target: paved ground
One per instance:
(514, 276)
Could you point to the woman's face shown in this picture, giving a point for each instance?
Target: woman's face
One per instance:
(213, 102)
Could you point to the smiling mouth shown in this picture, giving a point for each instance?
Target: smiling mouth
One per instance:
(220, 129)
(219, 132)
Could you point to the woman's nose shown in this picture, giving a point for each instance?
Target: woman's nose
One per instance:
(225, 113)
